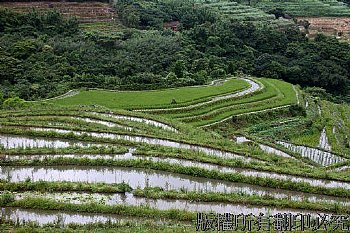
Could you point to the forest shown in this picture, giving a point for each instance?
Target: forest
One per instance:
(44, 55)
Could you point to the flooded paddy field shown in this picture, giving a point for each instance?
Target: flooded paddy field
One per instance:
(91, 178)
(143, 178)
(188, 163)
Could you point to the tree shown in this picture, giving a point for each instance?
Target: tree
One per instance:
(1, 99)
(179, 69)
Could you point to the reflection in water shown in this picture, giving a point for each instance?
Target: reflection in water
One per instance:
(43, 217)
(148, 178)
(129, 199)
(188, 163)
(319, 156)
(151, 141)
(324, 143)
(13, 141)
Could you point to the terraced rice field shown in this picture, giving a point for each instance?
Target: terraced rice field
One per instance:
(85, 12)
(332, 26)
(245, 13)
(154, 99)
(306, 7)
(145, 162)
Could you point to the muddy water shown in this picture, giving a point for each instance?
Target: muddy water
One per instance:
(324, 143)
(43, 217)
(188, 163)
(266, 148)
(148, 178)
(13, 141)
(138, 119)
(152, 141)
(319, 156)
(129, 199)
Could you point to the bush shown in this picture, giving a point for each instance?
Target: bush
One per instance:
(13, 103)
(6, 198)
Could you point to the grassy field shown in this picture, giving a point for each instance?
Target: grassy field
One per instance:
(149, 99)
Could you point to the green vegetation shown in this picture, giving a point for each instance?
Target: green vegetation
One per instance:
(275, 94)
(246, 13)
(43, 186)
(151, 99)
(306, 7)
(207, 47)
(167, 69)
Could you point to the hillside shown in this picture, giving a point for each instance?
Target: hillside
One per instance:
(175, 117)
(85, 12)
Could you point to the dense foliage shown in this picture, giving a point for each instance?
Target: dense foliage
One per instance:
(46, 55)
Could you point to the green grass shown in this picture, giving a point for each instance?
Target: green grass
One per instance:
(285, 95)
(149, 99)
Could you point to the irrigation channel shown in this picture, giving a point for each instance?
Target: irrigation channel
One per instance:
(144, 178)
(188, 163)
(254, 86)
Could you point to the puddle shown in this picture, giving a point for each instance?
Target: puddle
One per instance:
(265, 148)
(188, 163)
(324, 143)
(128, 199)
(14, 141)
(319, 156)
(152, 141)
(138, 119)
(143, 178)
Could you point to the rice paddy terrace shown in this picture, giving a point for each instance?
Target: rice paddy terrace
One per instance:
(245, 13)
(306, 7)
(330, 17)
(237, 145)
(85, 12)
